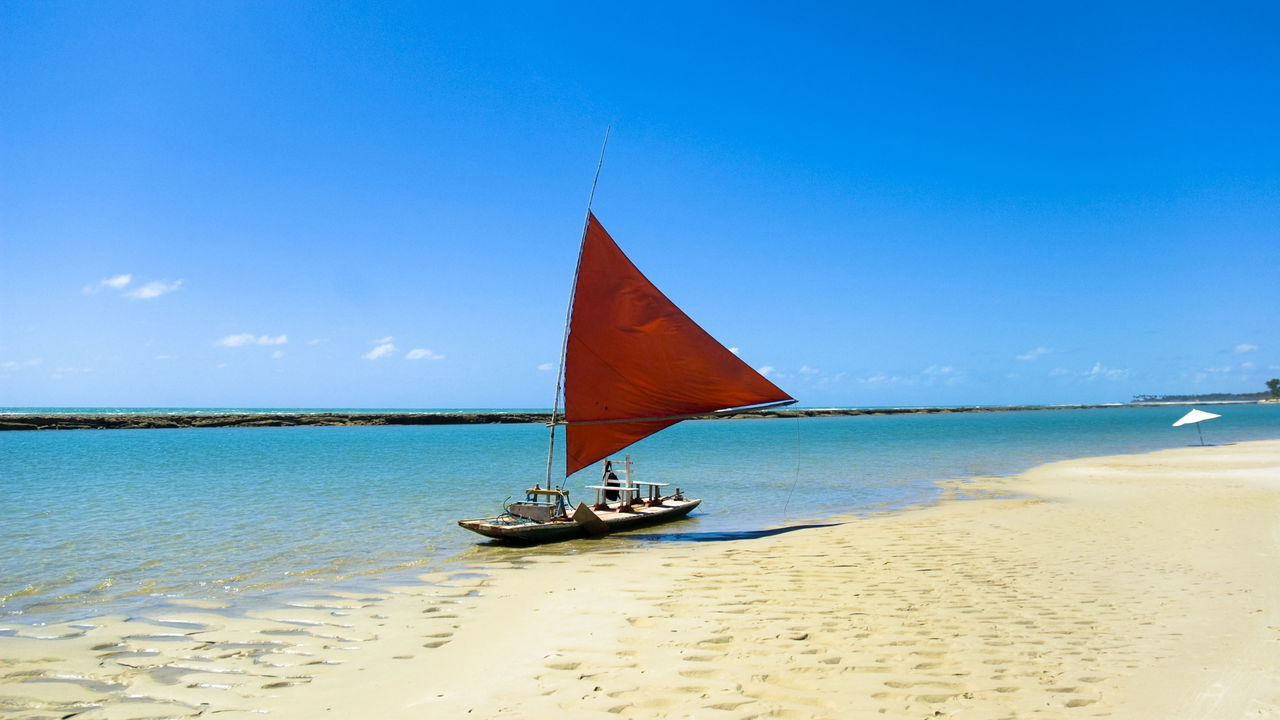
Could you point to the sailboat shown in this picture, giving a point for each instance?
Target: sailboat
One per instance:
(632, 364)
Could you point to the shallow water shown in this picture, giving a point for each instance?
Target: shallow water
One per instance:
(114, 520)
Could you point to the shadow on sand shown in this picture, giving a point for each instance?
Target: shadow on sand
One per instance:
(721, 536)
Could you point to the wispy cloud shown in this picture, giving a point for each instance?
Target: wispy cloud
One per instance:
(945, 374)
(1098, 372)
(932, 375)
(383, 341)
(765, 370)
(547, 367)
(62, 372)
(115, 282)
(1246, 348)
(882, 379)
(422, 354)
(1093, 374)
(734, 350)
(236, 340)
(1034, 353)
(380, 351)
(154, 289)
(242, 339)
(807, 374)
(277, 354)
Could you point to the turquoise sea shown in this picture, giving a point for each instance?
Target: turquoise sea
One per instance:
(95, 522)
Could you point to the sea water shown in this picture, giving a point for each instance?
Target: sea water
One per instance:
(110, 521)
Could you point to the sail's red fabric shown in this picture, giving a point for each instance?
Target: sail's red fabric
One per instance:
(635, 357)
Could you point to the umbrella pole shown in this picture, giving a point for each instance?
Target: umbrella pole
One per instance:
(1201, 434)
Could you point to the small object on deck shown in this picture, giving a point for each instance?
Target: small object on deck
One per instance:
(589, 521)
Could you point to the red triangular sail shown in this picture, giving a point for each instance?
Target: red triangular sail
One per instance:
(636, 362)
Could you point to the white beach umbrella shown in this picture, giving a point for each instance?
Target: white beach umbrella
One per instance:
(1195, 417)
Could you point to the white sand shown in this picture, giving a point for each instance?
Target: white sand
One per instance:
(1140, 586)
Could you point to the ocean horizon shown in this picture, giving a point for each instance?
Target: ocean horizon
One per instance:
(181, 410)
(118, 521)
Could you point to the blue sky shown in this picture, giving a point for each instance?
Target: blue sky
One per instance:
(243, 204)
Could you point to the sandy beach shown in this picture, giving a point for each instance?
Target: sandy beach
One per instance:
(1141, 586)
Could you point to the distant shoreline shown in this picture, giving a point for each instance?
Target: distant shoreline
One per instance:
(143, 421)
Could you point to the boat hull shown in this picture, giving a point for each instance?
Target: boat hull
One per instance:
(531, 533)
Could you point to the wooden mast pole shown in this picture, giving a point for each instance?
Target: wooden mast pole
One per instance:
(568, 314)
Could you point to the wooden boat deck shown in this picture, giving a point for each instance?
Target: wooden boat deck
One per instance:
(512, 529)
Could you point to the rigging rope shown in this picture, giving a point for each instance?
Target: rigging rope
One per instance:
(796, 424)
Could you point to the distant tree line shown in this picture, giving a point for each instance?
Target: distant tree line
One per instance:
(1272, 391)
(1201, 398)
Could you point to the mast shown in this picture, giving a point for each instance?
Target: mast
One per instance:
(568, 314)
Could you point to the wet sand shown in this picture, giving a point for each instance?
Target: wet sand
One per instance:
(1137, 586)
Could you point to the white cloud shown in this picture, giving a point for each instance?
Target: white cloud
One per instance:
(1246, 347)
(1034, 353)
(733, 350)
(546, 367)
(1105, 373)
(1246, 365)
(945, 374)
(164, 357)
(315, 341)
(884, 379)
(277, 354)
(1097, 372)
(422, 354)
(14, 364)
(765, 370)
(383, 341)
(154, 289)
(62, 372)
(115, 282)
(381, 351)
(236, 340)
(242, 339)
(806, 370)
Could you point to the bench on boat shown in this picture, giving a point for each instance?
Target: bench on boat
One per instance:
(533, 508)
